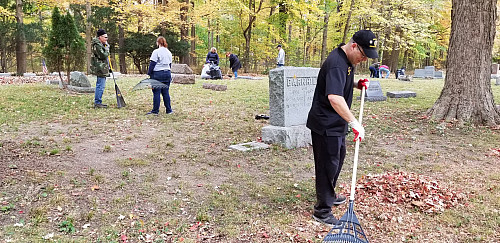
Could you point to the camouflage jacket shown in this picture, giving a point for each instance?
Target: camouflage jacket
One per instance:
(99, 61)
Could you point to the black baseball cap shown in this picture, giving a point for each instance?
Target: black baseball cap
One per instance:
(368, 41)
(278, 46)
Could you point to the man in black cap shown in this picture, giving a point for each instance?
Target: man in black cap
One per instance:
(280, 60)
(330, 114)
(99, 65)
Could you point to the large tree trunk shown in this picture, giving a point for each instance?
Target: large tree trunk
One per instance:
(20, 39)
(184, 29)
(467, 95)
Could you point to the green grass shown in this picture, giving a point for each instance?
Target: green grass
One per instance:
(183, 173)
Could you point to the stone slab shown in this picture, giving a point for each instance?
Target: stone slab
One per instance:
(79, 79)
(374, 92)
(183, 78)
(249, 146)
(494, 68)
(52, 82)
(5, 74)
(29, 74)
(419, 73)
(289, 137)
(291, 90)
(181, 68)
(250, 77)
(401, 94)
(81, 89)
(216, 87)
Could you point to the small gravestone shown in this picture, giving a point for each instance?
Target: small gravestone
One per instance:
(406, 78)
(401, 94)
(438, 74)
(216, 87)
(429, 71)
(29, 75)
(374, 92)
(79, 79)
(291, 90)
(5, 74)
(497, 81)
(182, 74)
(52, 82)
(419, 73)
(494, 68)
(249, 146)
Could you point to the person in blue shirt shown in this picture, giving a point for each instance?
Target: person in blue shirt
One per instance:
(212, 56)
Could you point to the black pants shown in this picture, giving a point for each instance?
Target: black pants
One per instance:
(329, 154)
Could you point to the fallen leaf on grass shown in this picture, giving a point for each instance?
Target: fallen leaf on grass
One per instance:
(195, 226)
(94, 187)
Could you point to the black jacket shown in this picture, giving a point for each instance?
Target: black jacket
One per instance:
(214, 57)
(234, 62)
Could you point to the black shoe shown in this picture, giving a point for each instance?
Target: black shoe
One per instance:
(100, 106)
(330, 220)
(339, 200)
(151, 113)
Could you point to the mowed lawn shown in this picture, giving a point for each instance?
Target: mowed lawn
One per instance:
(70, 173)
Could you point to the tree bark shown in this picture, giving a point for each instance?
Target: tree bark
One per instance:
(121, 53)
(184, 29)
(21, 47)
(324, 44)
(247, 32)
(347, 23)
(467, 95)
(88, 32)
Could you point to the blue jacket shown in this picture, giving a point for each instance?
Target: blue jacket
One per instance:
(214, 57)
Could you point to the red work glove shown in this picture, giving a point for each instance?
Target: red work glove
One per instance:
(359, 131)
(363, 82)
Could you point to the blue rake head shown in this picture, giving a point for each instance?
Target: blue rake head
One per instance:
(348, 230)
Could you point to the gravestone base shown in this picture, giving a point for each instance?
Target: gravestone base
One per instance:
(373, 99)
(249, 146)
(401, 94)
(289, 137)
(81, 89)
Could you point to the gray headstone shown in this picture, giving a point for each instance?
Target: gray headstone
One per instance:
(5, 74)
(57, 74)
(429, 71)
(401, 94)
(497, 81)
(494, 68)
(374, 92)
(78, 79)
(216, 87)
(419, 73)
(29, 74)
(52, 82)
(291, 90)
(183, 78)
(181, 69)
(438, 74)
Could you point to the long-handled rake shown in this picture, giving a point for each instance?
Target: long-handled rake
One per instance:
(349, 229)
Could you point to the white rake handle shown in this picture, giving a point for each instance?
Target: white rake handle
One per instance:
(356, 150)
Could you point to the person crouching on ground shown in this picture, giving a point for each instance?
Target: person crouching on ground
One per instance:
(212, 56)
(329, 116)
(160, 64)
(99, 65)
(234, 63)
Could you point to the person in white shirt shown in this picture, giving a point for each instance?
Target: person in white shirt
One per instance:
(280, 61)
(159, 69)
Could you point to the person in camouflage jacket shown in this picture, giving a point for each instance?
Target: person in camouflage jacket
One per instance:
(99, 65)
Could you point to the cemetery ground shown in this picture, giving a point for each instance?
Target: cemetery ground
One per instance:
(70, 173)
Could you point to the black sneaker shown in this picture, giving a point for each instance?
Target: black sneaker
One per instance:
(339, 200)
(328, 221)
(100, 106)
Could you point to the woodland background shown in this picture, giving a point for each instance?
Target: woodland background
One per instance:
(412, 33)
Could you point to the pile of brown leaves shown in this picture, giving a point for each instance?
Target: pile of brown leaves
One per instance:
(407, 188)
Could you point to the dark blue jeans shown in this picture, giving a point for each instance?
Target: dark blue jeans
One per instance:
(165, 77)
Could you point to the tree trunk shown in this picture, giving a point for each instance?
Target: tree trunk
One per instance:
(346, 28)
(467, 95)
(121, 53)
(20, 39)
(184, 29)
(88, 37)
(324, 44)
(193, 45)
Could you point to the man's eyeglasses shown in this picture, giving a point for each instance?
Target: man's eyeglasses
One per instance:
(362, 53)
